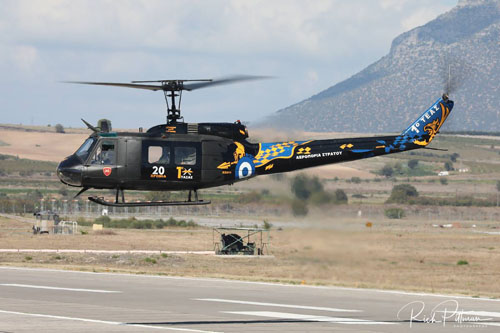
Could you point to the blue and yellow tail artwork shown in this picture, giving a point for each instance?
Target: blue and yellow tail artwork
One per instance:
(273, 157)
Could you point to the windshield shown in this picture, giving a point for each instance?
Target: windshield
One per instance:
(84, 150)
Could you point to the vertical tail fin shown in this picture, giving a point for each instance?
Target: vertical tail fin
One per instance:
(425, 128)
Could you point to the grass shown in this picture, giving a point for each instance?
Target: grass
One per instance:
(150, 260)
(13, 164)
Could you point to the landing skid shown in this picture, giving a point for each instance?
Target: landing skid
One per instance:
(189, 202)
(101, 201)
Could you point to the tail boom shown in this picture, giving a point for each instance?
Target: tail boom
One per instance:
(288, 156)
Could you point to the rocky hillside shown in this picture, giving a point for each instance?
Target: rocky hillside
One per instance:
(389, 94)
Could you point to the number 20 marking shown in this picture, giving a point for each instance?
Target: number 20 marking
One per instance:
(158, 170)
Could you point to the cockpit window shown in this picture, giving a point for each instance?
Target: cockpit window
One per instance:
(83, 151)
(105, 153)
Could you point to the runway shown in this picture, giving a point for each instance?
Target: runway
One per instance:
(44, 300)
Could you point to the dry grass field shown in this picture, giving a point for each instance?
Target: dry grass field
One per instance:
(389, 256)
(40, 146)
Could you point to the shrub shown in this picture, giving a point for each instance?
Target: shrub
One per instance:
(387, 171)
(133, 223)
(394, 213)
(340, 197)
(59, 128)
(402, 193)
(412, 164)
(443, 181)
(150, 260)
(448, 166)
(356, 180)
(103, 220)
(462, 262)
(299, 208)
(267, 225)
(320, 198)
(157, 196)
(303, 186)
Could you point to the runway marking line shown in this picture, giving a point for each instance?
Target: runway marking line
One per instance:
(58, 288)
(319, 308)
(106, 322)
(273, 284)
(297, 316)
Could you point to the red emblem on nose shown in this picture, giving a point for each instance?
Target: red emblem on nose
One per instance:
(106, 171)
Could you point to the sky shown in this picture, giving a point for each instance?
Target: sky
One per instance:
(306, 46)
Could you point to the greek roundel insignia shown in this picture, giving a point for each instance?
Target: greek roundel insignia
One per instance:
(245, 168)
(106, 171)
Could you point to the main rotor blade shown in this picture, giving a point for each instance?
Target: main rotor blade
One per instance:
(223, 80)
(177, 85)
(126, 85)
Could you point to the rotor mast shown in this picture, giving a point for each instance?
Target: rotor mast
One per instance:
(172, 90)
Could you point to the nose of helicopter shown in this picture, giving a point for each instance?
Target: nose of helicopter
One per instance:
(69, 171)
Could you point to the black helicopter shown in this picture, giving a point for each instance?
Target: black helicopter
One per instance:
(192, 156)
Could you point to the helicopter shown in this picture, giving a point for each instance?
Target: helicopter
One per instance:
(177, 156)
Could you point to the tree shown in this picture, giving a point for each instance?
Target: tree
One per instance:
(498, 185)
(340, 196)
(299, 208)
(443, 181)
(412, 164)
(448, 166)
(303, 186)
(59, 128)
(454, 156)
(320, 198)
(402, 193)
(387, 171)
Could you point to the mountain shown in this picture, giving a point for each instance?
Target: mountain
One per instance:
(389, 94)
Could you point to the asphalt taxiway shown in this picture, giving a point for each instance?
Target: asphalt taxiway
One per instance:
(44, 300)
